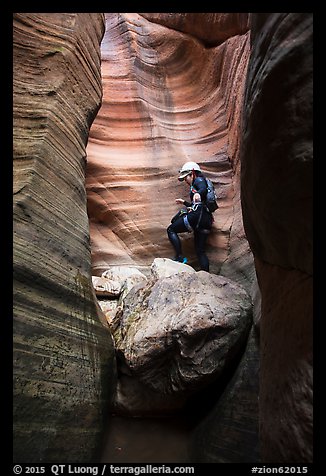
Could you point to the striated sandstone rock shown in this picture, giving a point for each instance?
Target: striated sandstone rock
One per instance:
(210, 28)
(286, 385)
(167, 98)
(63, 355)
(277, 190)
(105, 287)
(122, 273)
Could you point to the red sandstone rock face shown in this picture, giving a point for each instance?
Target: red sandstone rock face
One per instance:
(209, 28)
(166, 99)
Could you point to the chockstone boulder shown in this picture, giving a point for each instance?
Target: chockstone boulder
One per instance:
(175, 331)
(175, 334)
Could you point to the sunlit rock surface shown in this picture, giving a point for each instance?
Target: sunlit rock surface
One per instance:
(169, 96)
(164, 267)
(62, 352)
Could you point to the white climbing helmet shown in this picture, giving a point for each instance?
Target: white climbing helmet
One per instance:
(187, 168)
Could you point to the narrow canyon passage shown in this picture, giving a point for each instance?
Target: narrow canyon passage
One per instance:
(120, 353)
(169, 95)
(173, 91)
(164, 438)
(170, 438)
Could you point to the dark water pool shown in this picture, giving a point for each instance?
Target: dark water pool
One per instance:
(147, 440)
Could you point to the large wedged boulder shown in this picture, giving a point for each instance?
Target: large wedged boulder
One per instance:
(179, 332)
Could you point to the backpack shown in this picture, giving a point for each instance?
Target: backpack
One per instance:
(211, 198)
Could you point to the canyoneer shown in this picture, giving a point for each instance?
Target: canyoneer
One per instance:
(195, 218)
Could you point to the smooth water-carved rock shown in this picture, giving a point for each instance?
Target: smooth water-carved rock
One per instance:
(178, 333)
(167, 98)
(277, 191)
(209, 28)
(63, 360)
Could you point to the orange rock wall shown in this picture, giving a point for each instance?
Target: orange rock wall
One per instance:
(172, 92)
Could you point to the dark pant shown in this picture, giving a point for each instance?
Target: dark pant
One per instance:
(200, 237)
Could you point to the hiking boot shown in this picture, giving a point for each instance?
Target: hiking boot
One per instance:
(180, 259)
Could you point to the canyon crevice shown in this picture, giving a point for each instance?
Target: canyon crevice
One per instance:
(107, 108)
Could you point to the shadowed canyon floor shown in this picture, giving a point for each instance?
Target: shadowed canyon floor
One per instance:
(147, 440)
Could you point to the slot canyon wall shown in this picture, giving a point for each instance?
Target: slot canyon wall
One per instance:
(173, 86)
(277, 190)
(173, 90)
(62, 354)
